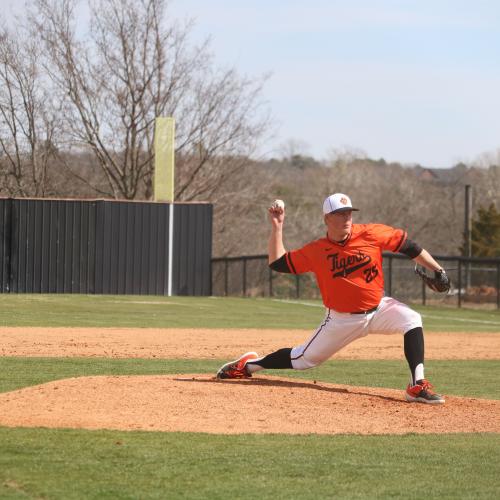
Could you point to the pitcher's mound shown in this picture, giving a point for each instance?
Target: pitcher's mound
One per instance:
(199, 403)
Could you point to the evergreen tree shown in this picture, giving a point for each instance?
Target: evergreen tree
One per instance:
(485, 234)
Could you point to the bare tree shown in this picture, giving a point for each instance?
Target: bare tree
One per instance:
(29, 119)
(132, 67)
(487, 159)
(293, 147)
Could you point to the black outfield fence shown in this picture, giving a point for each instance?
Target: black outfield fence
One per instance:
(104, 247)
(474, 280)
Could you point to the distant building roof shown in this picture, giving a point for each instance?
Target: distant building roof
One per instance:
(443, 175)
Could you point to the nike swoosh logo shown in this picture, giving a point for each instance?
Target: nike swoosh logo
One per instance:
(345, 272)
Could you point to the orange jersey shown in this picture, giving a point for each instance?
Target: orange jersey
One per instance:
(349, 274)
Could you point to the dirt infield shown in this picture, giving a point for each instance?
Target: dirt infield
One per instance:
(220, 344)
(264, 404)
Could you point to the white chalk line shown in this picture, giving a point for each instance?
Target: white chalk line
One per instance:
(462, 320)
(481, 321)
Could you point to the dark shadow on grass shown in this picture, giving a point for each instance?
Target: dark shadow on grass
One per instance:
(269, 382)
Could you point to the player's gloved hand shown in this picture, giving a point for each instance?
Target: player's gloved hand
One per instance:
(439, 283)
(442, 282)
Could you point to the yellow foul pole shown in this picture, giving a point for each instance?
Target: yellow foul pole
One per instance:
(164, 180)
(164, 159)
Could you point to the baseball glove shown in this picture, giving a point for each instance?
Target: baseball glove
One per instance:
(439, 283)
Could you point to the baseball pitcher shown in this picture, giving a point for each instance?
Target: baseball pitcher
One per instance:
(347, 264)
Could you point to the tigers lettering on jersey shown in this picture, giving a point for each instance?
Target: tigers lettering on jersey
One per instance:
(342, 266)
(349, 274)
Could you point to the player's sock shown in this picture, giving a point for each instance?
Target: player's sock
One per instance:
(414, 353)
(276, 360)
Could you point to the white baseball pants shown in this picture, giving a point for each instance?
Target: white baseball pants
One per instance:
(340, 329)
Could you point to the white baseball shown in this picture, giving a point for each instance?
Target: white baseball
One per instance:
(279, 204)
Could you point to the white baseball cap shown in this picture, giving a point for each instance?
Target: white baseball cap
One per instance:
(337, 202)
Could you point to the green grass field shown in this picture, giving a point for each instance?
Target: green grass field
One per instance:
(204, 312)
(67, 464)
(71, 464)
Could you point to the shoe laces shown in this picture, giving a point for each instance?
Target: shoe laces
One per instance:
(238, 371)
(426, 386)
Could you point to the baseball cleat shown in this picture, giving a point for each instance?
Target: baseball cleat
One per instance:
(236, 368)
(422, 392)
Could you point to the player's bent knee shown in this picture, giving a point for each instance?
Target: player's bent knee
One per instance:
(412, 320)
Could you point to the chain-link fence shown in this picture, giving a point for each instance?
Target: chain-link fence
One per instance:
(474, 281)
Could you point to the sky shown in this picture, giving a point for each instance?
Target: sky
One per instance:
(408, 81)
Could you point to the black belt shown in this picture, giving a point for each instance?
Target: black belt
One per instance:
(373, 309)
